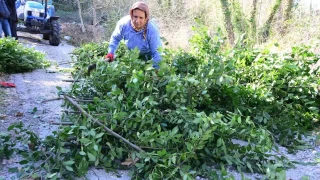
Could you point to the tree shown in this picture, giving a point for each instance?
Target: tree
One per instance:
(80, 16)
(252, 20)
(266, 28)
(227, 20)
(287, 15)
(94, 13)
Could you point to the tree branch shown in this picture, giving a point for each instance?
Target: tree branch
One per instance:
(104, 127)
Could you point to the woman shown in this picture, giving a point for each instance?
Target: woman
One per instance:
(137, 31)
(4, 19)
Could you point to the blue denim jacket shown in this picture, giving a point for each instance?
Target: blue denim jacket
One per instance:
(148, 47)
(4, 11)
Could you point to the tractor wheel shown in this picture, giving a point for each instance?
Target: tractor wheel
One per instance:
(46, 36)
(54, 39)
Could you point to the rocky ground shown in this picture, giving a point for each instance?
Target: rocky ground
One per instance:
(32, 88)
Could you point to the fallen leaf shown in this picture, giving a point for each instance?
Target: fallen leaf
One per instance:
(19, 114)
(3, 116)
(129, 162)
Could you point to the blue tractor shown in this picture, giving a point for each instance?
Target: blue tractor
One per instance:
(38, 17)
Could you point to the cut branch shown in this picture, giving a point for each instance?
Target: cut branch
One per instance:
(103, 126)
(54, 99)
(62, 123)
(70, 80)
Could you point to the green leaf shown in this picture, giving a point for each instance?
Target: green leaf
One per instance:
(173, 159)
(35, 176)
(24, 162)
(164, 124)
(189, 146)
(219, 142)
(68, 163)
(96, 163)
(13, 170)
(11, 127)
(51, 175)
(197, 120)
(63, 150)
(95, 147)
(162, 153)
(135, 80)
(69, 168)
(85, 140)
(91, 157)
(99, 135)
(249, 166)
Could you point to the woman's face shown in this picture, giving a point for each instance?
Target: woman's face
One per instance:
(139, 18)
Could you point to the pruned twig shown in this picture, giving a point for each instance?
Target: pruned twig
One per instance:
(54, 99)
(70, 80)
(62, 123)
(137, 148)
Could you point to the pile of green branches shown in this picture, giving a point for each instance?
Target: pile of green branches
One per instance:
(189, 116)
(17, 58)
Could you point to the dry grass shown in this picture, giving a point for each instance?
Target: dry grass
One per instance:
(92, 34)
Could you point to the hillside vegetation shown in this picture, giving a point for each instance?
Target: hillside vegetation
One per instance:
(286, 22)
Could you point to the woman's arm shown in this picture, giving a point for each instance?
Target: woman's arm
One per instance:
(116, 36)
(155, 44)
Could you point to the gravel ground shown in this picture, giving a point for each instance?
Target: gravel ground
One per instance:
(34, 87)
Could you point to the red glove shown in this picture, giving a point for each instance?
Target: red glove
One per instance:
(109, 57)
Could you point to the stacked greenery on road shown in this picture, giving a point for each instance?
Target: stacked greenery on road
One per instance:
(188, 115)
(191, 114)
(15, 57)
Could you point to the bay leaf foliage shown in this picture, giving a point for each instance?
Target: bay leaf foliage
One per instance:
(200, 111)
(17, 58)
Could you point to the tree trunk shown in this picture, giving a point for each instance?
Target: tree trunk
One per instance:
(253, 20)
(227, 20)
(239, 18)
(94, 13)
(287, 16)
(267, 26)
(80, 16)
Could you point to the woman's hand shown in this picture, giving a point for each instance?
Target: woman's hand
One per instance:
(109, 57)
